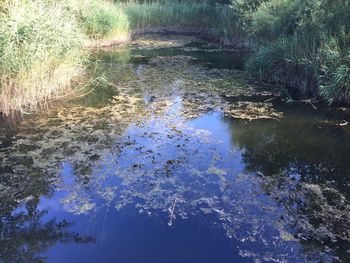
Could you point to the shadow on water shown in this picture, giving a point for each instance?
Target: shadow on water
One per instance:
(28, 232)
(215, 59)
(302, 146)
(151, 166)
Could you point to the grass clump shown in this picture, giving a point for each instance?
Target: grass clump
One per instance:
(334, 73)
(44, 43)
(287, 60)
(101, 19)
(221, 20)
(305, 44)
(40, 51)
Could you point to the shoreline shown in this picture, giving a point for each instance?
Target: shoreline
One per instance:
(202, 33)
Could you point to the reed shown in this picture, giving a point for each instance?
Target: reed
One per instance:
(40, 51)
(304, 44)
(44, 45)
(220, 20)
(100, 19)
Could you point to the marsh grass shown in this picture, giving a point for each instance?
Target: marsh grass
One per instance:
(220, 20)
(100, 19)
(287, 61)
(305, 44)
(40, 51)
(43, 43)
(334, 73)
(43, 46)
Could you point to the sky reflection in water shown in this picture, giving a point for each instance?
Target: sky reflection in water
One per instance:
(168, 188)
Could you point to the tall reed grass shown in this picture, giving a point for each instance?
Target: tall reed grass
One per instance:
(40, 50)
(100, 19)
(43, 45)
(220, 20)
(334, 72)
(305, 44)
(289, 60)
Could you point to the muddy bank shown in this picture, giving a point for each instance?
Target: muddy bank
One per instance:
(113, 40)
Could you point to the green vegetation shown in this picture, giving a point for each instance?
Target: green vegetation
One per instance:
(299, 43)
(43, 45)
(219, 20)
(101, 19)
(40, 49)
(305, 44)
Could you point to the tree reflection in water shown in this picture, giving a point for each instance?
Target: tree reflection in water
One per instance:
(26, 233)
(305, 169)
(299, 148)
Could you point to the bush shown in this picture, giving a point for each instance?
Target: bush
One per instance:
(277, 18)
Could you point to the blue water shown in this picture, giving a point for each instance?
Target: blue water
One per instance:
(168, 188)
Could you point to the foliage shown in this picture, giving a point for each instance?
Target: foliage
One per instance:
(334, 78)
(40, 43)
(43, 45)
(303, 43)
(288, 60)
(99, 19)
(220, 19)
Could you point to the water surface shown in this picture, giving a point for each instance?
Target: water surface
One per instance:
(173, 156)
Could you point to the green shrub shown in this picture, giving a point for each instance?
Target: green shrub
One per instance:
(277, 18)
(306, 44)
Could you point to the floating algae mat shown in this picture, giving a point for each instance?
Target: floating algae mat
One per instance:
(171, 156)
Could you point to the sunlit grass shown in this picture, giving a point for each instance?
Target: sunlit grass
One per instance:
(217, 19)
(43, 45)
(100, 19)
(40, 50)
(304, 44)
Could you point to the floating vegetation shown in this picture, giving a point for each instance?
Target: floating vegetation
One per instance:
(217, 171)
(154, 41)
(253, 111)
(160, 143)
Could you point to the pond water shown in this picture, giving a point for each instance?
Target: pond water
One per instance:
(172, 155)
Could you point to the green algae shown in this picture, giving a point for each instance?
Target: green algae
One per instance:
(129, 133)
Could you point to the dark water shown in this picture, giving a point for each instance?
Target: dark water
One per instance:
(161, 173)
